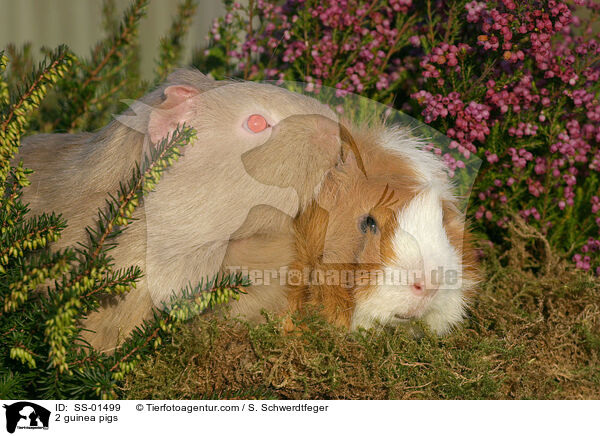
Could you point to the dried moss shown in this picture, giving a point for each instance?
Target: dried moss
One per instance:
(527, 336)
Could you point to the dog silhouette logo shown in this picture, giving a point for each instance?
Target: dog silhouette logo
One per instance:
(26, 415)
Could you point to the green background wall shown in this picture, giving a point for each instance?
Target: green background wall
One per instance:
(78, 23)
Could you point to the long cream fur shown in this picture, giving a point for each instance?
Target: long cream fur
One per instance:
(230, 185)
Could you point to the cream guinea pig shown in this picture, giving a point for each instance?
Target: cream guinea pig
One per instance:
(206, 200)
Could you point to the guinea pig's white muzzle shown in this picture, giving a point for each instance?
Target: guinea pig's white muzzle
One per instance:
(423, 280)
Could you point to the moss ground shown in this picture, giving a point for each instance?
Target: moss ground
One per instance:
(528, 336)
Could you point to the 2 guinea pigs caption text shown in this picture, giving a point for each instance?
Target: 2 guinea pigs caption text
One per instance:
(357, 220)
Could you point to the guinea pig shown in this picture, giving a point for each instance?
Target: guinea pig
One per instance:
(385, 245)
(219, 191)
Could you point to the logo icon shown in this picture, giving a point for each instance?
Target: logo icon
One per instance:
(26, 415)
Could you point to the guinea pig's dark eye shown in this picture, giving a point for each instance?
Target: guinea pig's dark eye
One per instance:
(368, 224)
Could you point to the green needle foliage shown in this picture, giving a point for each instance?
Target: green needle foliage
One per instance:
(46, 293)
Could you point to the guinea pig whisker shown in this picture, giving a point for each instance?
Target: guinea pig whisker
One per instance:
(386, 198)
(383, 198)
(393, 203)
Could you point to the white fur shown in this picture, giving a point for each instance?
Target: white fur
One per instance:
(429, 167)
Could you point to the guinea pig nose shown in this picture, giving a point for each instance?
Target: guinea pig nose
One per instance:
(421, 289)
(418, 288)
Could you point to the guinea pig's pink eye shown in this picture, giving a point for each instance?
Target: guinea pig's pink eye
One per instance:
(256, 123)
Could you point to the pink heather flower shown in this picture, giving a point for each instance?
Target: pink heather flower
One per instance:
(474, 11)
(414, 41)
(540, 165)
(492, 158)
(595, 204)
(535, 118)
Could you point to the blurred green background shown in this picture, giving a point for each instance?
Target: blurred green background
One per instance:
(78, 23)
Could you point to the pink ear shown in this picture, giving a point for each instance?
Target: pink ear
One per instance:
(176, 109)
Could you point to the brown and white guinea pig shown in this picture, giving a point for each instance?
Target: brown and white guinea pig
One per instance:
(385, 245)
(203, 201)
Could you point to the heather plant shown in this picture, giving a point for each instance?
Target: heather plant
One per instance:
(515, 83)
(44, 293)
